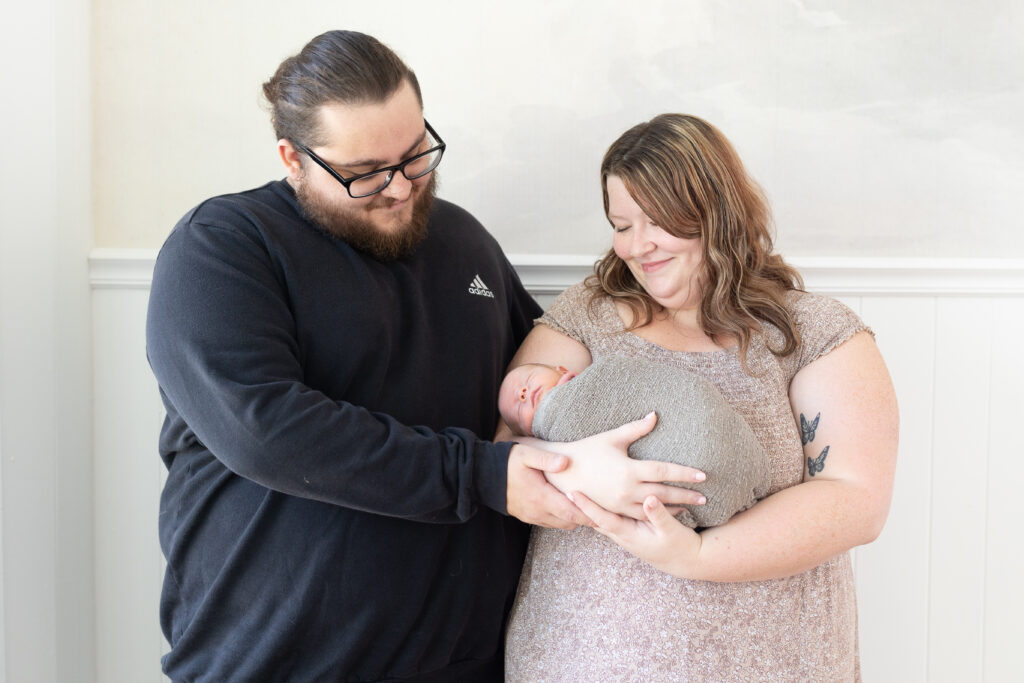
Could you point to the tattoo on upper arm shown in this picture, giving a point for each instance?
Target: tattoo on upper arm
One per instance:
(807, 432)
(815, 465)
(807, 429)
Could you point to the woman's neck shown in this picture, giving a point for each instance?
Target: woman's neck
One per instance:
(674, 329)
(686, 320)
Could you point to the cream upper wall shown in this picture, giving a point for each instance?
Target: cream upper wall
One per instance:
(877, 128)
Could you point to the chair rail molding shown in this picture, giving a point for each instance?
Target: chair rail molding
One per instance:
(547, 274)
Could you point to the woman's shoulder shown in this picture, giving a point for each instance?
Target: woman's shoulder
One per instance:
(575, 294)
(580, 314)
(805, 306)
(822, 322)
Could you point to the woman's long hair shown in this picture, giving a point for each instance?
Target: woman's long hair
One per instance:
(688, 179)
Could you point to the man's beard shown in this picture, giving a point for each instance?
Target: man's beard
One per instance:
(349, 225)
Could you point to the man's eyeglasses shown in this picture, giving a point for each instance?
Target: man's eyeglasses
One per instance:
(365, 184)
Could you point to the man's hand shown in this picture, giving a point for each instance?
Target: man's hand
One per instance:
(531, 498)
(602, 469)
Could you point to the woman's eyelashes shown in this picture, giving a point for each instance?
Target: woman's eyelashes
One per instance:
(624, 228)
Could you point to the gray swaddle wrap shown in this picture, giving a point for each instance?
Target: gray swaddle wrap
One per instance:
(696, 427)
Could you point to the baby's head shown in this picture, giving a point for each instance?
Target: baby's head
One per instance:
(522, 391)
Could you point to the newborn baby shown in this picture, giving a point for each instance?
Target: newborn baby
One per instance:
(696, 425)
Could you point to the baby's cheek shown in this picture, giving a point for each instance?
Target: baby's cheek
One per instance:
(503, 404)
(527, 422)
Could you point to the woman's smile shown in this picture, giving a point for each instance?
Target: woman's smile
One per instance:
(653, 266)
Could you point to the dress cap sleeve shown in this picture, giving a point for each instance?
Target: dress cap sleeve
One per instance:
(824, 323)
(570, 314)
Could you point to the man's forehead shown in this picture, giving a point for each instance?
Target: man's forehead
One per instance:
(377, 132)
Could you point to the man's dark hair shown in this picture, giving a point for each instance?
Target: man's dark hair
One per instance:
(347, 67)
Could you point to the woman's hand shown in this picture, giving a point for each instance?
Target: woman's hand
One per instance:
(660, 539)
(601, 467)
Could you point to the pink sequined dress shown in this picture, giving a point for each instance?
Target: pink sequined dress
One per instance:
(589, 611)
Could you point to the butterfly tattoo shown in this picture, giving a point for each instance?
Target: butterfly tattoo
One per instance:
(807, 429)
(815, 465)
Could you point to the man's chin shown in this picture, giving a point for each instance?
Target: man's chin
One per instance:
(391, 222)
(391, 239)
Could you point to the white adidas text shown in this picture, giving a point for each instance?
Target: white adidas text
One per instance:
(478, 287)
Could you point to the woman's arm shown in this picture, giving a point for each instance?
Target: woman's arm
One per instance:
(547, 345)
(599, 465)
(842, 502)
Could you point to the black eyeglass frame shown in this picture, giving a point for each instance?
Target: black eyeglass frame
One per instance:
(390, 170)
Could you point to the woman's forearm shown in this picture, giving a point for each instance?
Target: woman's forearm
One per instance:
(787, 533)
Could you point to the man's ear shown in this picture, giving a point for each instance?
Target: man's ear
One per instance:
(290, 158)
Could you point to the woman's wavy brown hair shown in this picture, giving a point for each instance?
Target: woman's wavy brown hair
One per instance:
(688, 179)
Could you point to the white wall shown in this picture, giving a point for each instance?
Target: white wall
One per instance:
(45, 346)
(877, 128)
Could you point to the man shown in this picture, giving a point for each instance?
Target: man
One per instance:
(328, 348)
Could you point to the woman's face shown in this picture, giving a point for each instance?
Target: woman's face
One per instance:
(664, 265)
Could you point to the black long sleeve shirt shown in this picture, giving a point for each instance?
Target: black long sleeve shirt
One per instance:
(330, 511)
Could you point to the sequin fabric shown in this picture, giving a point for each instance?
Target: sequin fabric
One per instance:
(587, 610)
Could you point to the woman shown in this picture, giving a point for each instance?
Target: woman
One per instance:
(691, 281)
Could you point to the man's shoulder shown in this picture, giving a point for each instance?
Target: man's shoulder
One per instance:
(445, 213)
(453, 224)
(227, 221)
(270, 197)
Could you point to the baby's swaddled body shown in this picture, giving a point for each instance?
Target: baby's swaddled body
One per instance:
(696, 427)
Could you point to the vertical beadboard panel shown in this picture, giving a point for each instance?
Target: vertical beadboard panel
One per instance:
(129, 566)
(1004, 538)
(892, 572)
(959, 481)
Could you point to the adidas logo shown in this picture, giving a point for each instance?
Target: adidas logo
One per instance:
(478, 287)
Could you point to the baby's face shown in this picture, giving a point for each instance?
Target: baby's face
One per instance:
(522, 391)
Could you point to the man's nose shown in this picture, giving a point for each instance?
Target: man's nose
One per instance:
(399, 187)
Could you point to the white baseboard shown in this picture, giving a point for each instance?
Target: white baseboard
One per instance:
(546, 274)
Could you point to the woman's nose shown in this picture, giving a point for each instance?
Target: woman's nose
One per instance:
(641, 243)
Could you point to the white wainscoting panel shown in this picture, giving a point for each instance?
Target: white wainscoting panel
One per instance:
(892, 572)
(128, 477)
(939, 593)
(959, 477)
(1004, 548)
